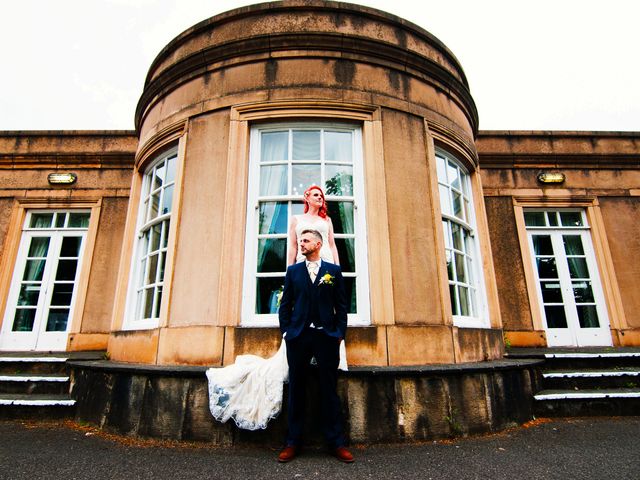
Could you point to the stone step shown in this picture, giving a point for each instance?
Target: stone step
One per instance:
(628, 377)
(588, 360)
(33, 400)
(38, 383)
(587, 402)
(34, 406)
(31, 364)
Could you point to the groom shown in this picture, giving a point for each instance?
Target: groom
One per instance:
(313, 319)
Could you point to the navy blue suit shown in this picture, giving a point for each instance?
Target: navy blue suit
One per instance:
(324, 305)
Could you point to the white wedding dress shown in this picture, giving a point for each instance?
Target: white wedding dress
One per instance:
(250, 390)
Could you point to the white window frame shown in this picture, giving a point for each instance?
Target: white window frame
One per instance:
(248, 316)
(479, 304)
(131, 320)
(573, 335)
(39, 338)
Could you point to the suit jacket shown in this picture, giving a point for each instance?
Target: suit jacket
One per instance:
(300, 296)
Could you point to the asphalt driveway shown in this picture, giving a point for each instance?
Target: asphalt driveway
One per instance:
(586, 448)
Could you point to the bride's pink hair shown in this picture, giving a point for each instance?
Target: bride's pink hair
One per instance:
(323, 209)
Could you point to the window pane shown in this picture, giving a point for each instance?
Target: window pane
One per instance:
(156, 313)
(156, 233)
(452, 176)
(158, 176)
(338, 146)
(464, 301)
(454, 301)
(273, 217)
(41, 220)
(39, 247)
(341, 214)
(449, 256)
(62, 293)
(71, 247)
(33, 270)
(29, 295)
(441, 167)
(24, 319)
(67, 270)
(578, 268)
(350, 293)
(339, 180)
(167, 200)
(555, 316)
(268, 293)
(60, 220)
(582, 292)
(573, 244)
(273, 180)
(551, 292)
(171, 170)
(153, 269)
(346, 254)
(547, 268)
(306, 145)
(163, 260)
(534, 219)
(274, 146)
(446, 234)
(588, 316)
(297, 208)
(148, 305)
(457, 205)
(57, 320)
(78, 220)
(456, 232)
(272, 254)
(553, 218)
(304, 176)
(165, 233)
(445, 200)
(460, 270)
(571, 219)
(155, 205)
(542, 245)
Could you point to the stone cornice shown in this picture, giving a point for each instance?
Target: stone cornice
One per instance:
(555, 149)
(72, 160)
(319, 45)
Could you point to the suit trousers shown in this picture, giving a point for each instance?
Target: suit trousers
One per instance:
(325, 349)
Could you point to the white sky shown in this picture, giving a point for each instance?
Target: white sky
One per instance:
(531, 65)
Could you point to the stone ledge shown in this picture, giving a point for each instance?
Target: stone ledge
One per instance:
(421, 370)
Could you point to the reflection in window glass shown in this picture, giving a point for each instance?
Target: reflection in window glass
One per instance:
(534, 219)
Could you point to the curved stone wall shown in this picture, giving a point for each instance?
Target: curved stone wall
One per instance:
(308, 61)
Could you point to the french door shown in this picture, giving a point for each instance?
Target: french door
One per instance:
(43, 289)
(567, 279)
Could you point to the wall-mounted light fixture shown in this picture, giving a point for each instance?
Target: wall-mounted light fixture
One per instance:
(62, 178)
(555, 177)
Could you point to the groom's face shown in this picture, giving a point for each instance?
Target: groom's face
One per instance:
(309, 244)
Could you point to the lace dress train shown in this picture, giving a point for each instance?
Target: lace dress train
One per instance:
(250, 390)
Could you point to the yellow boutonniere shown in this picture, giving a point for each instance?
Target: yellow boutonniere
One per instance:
(326, 279)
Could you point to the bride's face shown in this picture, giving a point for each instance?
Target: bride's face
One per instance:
(314, 197)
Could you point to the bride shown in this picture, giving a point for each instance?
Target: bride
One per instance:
(250, 390)
(315, 218)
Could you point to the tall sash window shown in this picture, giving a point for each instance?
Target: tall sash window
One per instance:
(284, 161)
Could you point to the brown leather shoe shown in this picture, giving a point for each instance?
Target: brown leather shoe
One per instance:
(288, 453)
(344, 455)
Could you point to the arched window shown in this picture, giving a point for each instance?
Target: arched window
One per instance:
(150, 251)
(460, 242)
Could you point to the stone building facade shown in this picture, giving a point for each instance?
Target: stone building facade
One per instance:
(168, 246)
